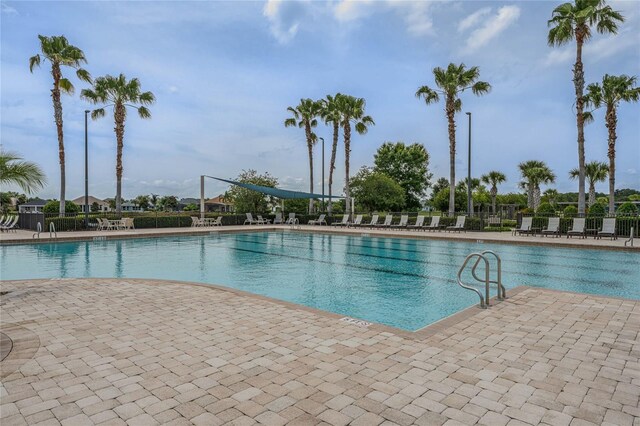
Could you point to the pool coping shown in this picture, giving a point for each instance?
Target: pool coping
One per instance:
(473, 236)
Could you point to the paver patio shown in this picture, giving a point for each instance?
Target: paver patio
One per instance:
(140, 352)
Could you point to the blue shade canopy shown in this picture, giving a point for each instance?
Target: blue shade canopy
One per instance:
(275, 192)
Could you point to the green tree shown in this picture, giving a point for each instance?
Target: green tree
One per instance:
(142, 201)
(352, 110)
(408, 165)
(440, 184)
(15, 171)
(614, 90)
(441, 200)
(451, 83)
(119, 93)
(95, 207)
(574, 21)
(169, 203)
(331, 114)
(54, 207)
(375, 191)
(58, 51)
(534, 173)
(192, 207)
(595, 171)
(247, 200)
(494, 178)
(154, 201)
(305, 117)
(476, 189)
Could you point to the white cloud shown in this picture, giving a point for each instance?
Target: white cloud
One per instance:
(632, 171)
(473, 19)
(415, 13)
(416, 16)
(284, 17)
(595, 50)
(350, 10)
(492, 27)
(5, 8)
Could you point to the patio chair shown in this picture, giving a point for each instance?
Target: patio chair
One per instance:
(419, 223)
(2, 220)
(494, 221)
(11, 225)
(525, 226)
(292, 219)
(250, 220)
(434, 224)
(356, 222)
(104, 224)
(553, 227)
(387, 222)
(608, 228)
(404, 219)
(217, 222)
(345, 220)
(127, 223)
(262, 221)
(578, 228)
(373, 222)
(319, 221)
(459, 226)
(278, 219)
(195, 221)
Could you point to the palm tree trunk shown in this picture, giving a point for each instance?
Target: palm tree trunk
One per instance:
(612, 121)
(119, 115)
(57, 114)
(494, 194)
(578, 79)
(307, 130)
(332, 166)
(450, 110)
(536, 197)
(592, 193)
(530, 198)
(347, 153)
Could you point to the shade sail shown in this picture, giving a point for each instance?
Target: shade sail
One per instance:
(275, 192)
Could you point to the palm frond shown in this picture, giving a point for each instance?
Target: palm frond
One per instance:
(66, 86)
(83, 75)
(144, 112)
(481, 88)
(97, 113)
(34, 61)
(290, 122)
(13, 170)
(429, 95)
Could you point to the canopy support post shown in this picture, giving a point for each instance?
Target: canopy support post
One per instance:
(202, 197)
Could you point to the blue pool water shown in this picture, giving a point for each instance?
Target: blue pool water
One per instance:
(404, 283)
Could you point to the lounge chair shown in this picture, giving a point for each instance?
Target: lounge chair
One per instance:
(250, 220)
(435, 223)
(578, 228)
(292, 219)
(262, 221)
(319, 221)
(278, 219)
(195, 222)
(608, 228)
(344, 222)
(11, 225)
(387, 222)
(404, 219)
(217, 222)
(553, 227)
(372, 223)
(525, 226)
(459, 226)
(356, 222)
(419, 223)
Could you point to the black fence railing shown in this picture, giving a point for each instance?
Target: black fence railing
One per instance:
(624, 222)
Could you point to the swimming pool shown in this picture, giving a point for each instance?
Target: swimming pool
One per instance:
(405, 283)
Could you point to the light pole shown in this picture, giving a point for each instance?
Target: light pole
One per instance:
(469, 213)
(322, 139)
(86, 169)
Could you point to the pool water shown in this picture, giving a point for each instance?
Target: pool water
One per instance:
(404, 283)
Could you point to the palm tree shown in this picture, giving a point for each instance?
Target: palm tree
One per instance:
(494, 179)
(331, 114)
(552, 195)
(451, 82)
(571, 21)
(475, 185)
(535, 173)
(14, 170)
(58, 51)
(304, 116)
(594, 171)
(352, 110)
(614, 89)
(118, 93)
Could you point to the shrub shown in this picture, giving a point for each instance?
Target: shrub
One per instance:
(497, 229)
(570, 211)
(527, 211)
(627, 209)
(596, 210)
(54, 207)
(545, 209)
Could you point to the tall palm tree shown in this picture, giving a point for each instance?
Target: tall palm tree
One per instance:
(571, 21)
(535, 173)
(331, 114)
(551, 194)
(58, 51)
(614, 89)
(305, 117)
(352, 110)
(476, 184)
(594, 171)
(14, 170)
(451, 83)
(493, 178)
(119, 93)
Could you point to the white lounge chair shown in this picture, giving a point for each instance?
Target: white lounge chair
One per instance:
(278, 219)
(373, 222)
(262, 221)
(345, 220)
(195, 222)
(127, 223)
(553, 227)
(387, 221)
(404, 219)
(250, 220)
(578, 228)
(434, 224)
(11, 225)
(419, 223)
(292, 219)
(525, 226)
(319, 221)
(357, 221)
(459, 226)
(608, 228)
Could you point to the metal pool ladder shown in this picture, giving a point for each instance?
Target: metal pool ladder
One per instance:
(483, 257)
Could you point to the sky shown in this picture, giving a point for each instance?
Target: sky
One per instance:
(224, 74)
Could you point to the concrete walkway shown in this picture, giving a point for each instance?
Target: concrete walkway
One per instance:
(143, 352)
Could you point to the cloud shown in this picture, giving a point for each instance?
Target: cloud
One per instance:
(6, 9)
(492, 27)
(415, 13)
(416, 16)
(473, 19)
(595, 50)
(284, 17)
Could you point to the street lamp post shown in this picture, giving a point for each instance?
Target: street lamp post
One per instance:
(469, 213)
(86, 169)
(322, 139)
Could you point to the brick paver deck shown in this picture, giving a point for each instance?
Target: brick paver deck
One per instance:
(142, 352)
